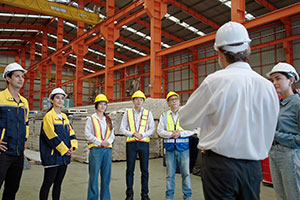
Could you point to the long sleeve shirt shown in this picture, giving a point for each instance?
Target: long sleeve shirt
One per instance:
(150, 127)
(162, 132)
(237, 112)
(288, 126)
(90, 132)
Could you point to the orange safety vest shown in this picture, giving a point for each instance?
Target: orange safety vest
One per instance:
(98, 133)
(143, 124)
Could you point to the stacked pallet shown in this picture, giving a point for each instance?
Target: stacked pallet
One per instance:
(78, 124)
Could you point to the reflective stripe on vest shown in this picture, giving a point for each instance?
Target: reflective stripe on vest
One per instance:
(98, 133)
(142, 127)
(182, 143)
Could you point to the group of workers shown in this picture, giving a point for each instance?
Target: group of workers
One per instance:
(238, 112)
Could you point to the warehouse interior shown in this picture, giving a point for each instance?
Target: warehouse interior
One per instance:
(116, 47)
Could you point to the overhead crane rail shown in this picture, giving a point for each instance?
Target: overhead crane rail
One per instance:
(56, 9)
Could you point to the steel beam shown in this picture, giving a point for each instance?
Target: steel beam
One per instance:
(135, 44)
(131, 18)
(23, 26)
(238, 11)
(80, 49)
(195, 69)
(275, 15)
(43, 67)
(60, 59)
(23, 64)
(110, 33)
(194, 14)
(31, 75)
(259, 46)
(156, 10)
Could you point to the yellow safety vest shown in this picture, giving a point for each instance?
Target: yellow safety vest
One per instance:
(98, 133)
(170, 122)
(143, 124)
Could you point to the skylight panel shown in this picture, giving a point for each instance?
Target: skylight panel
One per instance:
(184, 24)
(10, 40)
(248, 16)
(17, 30)
(25, 15)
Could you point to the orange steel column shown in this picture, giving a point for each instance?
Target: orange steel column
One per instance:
(195, 68)
(59, 60)
(156, 10)
(288, 45)
(80, 49)
(122, 84)
(110, 34)
(238, 11)
(142, 78)
(31, 75)
(165, 76)
(17, 58)
(23, 64)
(43, 67)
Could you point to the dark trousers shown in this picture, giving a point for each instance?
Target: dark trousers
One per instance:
(226, 178)
(55, 176)
(11, 168)
(132, 149)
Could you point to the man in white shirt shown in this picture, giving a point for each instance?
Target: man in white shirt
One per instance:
(237, 111)
(176, 144)
(137, 124)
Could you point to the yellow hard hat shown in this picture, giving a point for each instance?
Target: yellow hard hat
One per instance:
(171, 94)
(101, 97)
(138, 93)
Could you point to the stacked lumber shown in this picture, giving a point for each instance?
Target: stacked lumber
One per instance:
(78, 116)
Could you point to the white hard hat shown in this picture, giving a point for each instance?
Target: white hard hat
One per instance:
(13, 67)
(232, 33)
(57, 91)
(284, 67)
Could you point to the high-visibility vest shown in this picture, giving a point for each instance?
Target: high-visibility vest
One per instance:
(181, 143)
(98, 133)
(142, 127)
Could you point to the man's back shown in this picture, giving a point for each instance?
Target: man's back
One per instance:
(239, 113)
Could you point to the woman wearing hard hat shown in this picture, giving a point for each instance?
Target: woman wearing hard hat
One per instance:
(57, 143)
(100, 135)
(285, 151)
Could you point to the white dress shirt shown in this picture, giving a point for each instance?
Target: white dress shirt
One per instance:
(90, 132)
(125, 129)
(162, 132)
(237, 111)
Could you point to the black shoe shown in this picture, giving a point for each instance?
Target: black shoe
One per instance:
(129, 198)
(145, 197)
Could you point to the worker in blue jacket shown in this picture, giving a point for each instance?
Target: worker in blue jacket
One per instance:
(176, 144)
(13, 130)
(57, 143)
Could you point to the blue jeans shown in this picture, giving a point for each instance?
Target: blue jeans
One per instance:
(183, 160)
(99, 160)
(285, 171)
(132, 149)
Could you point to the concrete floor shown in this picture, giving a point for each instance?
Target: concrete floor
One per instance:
(76, 181)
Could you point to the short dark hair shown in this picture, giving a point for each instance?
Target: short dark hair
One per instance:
(236, 57)
(9, 75)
